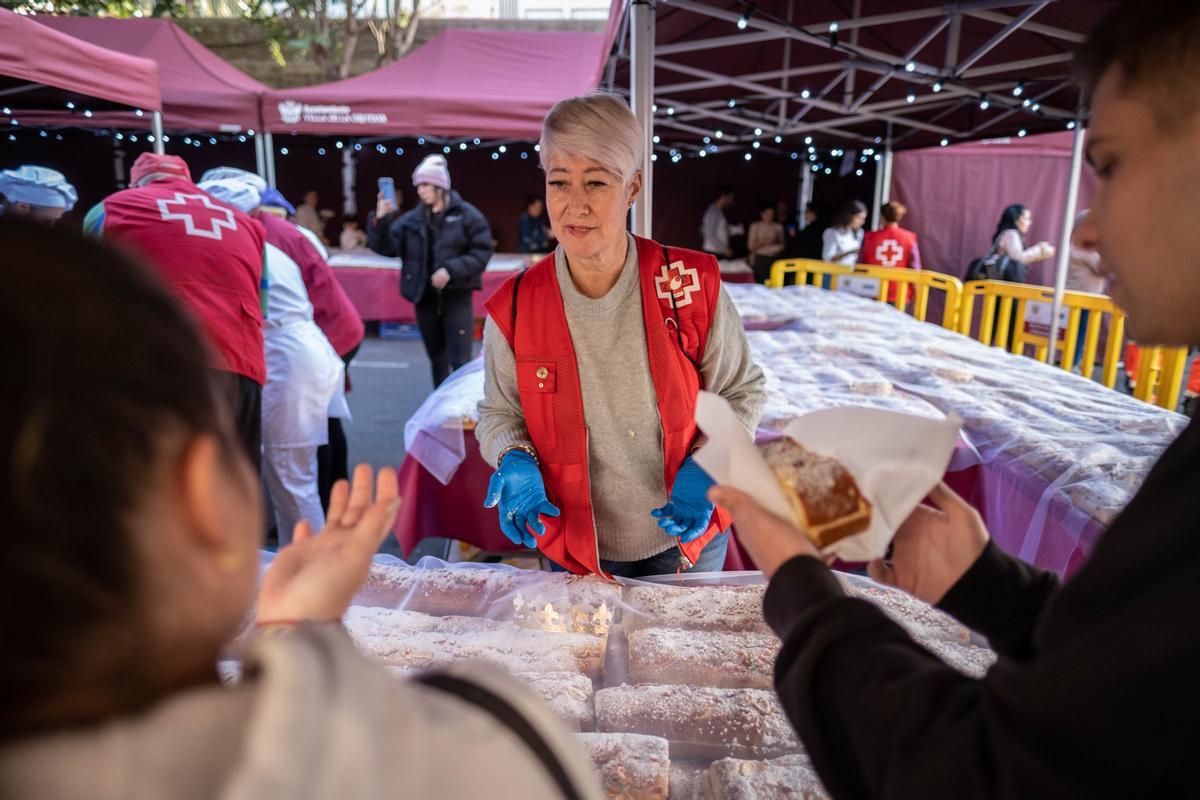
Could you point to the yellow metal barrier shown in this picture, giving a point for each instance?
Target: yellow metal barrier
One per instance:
(804, 269)
(921, 282)
(1006, 309)
(1160, 375)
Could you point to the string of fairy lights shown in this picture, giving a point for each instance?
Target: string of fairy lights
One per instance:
(750, 142)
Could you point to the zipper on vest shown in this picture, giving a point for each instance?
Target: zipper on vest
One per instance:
(587, 451)
(684, 561)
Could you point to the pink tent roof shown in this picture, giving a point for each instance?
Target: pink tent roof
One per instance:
(200, 91)
(33, 54)
(462, 82)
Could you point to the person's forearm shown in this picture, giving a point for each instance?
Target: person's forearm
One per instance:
(501, 419)
(380, 239)
(1001, 597)
(876, 713)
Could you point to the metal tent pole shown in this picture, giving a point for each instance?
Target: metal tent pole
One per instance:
(156, 128)
(349, 201)
(269, 147)
(260, 160)
(119, 166)
(877, 195)
(885, 193)
(806, 192)
(641, 90)
(1064, 241)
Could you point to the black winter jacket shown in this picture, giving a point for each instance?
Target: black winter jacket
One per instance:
(461, 242)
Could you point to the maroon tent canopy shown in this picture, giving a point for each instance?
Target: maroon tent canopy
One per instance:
(33, 57)
(462, 82)
(200, 91)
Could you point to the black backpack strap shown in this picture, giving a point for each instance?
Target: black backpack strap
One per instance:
(507, 715)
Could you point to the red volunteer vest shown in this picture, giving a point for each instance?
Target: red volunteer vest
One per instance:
(333, 311)
(549, 387)
(890, 246)
(209, 254)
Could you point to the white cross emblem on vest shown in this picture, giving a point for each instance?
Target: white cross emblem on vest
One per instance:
(677, 281)
(889, 253)
(204, 219)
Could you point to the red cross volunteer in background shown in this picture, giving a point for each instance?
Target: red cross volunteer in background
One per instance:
(594, 357)
(210, 256)
(891, 245)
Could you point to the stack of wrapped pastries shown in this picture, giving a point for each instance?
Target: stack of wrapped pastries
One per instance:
(668, 687)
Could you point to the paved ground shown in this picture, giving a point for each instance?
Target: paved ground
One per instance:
(390, 380)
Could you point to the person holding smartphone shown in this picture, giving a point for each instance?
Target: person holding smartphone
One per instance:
(444, 245)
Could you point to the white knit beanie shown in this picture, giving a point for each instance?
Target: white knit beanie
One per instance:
(432, 171)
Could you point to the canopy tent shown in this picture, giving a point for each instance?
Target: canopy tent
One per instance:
(200, 91)
(751, 75)
(42, 69)
(937, 71)
(488, 83)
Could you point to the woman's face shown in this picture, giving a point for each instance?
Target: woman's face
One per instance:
(1024, 221)
(427, 192)
(858, 220)
(767, 215)
(588, 205)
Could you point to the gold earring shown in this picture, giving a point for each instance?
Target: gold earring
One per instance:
(227, 561)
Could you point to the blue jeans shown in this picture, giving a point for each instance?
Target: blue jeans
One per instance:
(712, 559)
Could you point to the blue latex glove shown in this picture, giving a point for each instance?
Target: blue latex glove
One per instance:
(688, 512)
(517, 487)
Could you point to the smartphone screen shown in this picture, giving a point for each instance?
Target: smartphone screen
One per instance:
(387, 188)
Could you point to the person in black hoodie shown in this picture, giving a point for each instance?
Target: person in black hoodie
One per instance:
(1095, 693)
(444, 245)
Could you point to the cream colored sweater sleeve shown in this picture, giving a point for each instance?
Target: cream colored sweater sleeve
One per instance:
(501, 419)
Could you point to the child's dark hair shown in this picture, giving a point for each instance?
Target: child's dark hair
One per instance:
(101, 362)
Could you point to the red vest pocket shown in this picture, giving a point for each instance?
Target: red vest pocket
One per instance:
(536, 377)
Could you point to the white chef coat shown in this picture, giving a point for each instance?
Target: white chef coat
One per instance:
(304, 374)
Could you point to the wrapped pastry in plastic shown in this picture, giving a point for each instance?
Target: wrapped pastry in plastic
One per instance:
(631, 766)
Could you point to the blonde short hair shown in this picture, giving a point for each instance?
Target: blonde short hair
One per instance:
(598, 126)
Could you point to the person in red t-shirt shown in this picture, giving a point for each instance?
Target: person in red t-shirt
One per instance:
(210, 255)
(891, 245)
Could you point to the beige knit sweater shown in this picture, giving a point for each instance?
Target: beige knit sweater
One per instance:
(312, 719)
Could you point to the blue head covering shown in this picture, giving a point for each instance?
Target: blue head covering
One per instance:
(272, 197)
(37, 186)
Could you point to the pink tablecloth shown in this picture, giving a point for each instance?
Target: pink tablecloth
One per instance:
(1025, 518)
(456, 511)
(376, 293)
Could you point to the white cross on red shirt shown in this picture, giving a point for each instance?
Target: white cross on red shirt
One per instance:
(199, 214)
(889, 253)
(679, 282)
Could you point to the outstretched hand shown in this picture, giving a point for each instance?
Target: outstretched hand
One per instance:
(315, 577)
(771, 540)
(934, 547)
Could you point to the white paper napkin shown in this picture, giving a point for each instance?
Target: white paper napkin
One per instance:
(895, 458)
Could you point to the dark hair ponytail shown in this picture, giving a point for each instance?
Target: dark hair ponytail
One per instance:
(100, 361)
(1008, 220)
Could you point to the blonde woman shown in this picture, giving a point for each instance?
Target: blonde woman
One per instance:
(594, 357)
